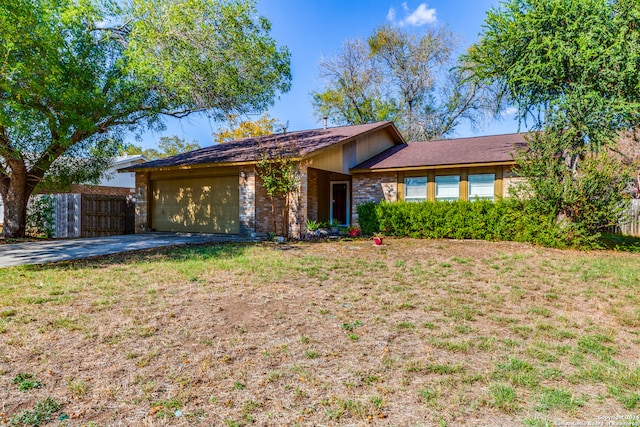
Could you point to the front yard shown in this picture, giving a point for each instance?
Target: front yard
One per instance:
(408, 334)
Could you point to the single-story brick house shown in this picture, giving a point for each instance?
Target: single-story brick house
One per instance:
(216, 189)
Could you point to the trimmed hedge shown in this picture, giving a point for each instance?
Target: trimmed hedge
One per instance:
(504, 220)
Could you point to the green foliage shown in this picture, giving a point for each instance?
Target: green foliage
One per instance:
(26, 382)
(351, 326)
(278, 169)
(265, 125)
(619, 242)
(354, 91)
(395, 75)
(506, 219)
(367, 218)
(76, 76)
(207, 54)
(312, 224)
(279, 173)
(239, 386)
(558, 399)
(574, 62)
(591, 197)
(78, 167)
(40, 415)
(168, 146)
(504, 397)
(40, 216)
(571, 69)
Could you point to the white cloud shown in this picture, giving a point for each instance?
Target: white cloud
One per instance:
(391, 15)
(423, 15)
(510, 111)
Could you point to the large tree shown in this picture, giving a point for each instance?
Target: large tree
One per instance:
(572, 69)
(167, 146)
(265, 125)
(354, 90)
(407, 78)
(75, 75)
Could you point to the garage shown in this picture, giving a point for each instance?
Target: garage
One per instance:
(202, 205)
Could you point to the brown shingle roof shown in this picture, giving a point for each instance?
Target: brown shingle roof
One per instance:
(482, 149)
(249, 149)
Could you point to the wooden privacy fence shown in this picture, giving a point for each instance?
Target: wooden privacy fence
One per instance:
(630, 224)
(92, 215)
(106, 215)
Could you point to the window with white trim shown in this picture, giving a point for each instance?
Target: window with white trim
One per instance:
(448, 187)
(482, 186)
(415, 189)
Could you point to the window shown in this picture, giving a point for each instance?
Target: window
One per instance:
(448, 187)
(481, 186)
(415, 189)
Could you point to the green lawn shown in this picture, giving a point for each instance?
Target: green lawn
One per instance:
(345, 333)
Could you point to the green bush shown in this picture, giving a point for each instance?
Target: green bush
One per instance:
(368, 218)
(40, 216)
(505, 220)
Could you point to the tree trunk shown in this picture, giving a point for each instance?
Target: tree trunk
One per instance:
(15, 200)
(285, 217)
(273, 215)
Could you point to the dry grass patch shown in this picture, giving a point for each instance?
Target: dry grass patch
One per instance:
(410, 333)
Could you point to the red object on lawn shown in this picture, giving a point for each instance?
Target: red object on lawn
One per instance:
(377, 240)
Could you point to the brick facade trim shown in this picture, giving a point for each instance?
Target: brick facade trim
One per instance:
(372, 187)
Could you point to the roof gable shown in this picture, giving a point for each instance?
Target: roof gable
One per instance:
(248, 150)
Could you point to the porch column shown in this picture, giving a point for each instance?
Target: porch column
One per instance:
(142, 202)
(247, 201)
(298, 204)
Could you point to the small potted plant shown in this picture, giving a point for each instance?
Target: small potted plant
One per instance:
(353, 231)
(377, 239)
(323, 229)
(335, 227)
(312, 227)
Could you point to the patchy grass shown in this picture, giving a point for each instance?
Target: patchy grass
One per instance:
(41, 414)
(410, 333)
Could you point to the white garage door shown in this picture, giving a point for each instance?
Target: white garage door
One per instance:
(203, 205)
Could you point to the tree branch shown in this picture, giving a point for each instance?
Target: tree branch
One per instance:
(5, 144)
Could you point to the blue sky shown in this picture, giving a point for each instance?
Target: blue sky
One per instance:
(316, 29)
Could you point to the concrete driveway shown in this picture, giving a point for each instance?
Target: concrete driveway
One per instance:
(65, 250)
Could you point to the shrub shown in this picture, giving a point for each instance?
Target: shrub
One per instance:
(506, 219)
(368, 218)
(40, 216)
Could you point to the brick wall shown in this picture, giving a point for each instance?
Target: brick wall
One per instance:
(247, 201)
(372, 187)
(510, 180)
(298, 204)
(312, 193)
(142, 202)
(297, 208)
(264, 215)
(101, 190)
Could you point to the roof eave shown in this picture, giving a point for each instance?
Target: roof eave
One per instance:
(187, 167)
(424, 167)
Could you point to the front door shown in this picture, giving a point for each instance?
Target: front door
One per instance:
(340, 200)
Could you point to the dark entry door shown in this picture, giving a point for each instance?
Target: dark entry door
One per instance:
(340, 202)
